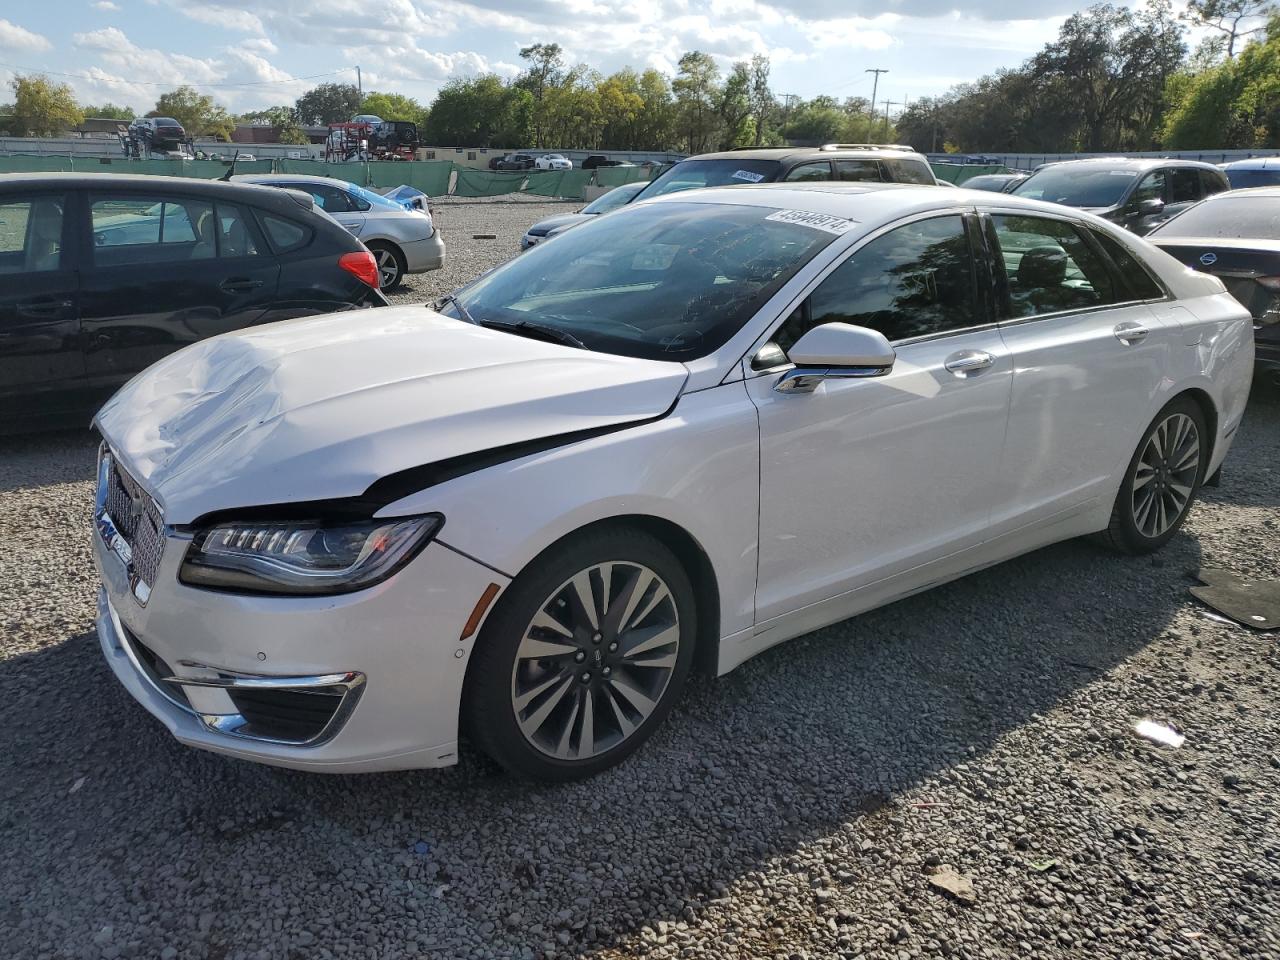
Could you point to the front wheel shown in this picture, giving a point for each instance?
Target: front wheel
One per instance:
(583, 657)
(1161, 481)
(391, 265)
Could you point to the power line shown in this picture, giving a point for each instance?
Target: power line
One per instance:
(155, 83)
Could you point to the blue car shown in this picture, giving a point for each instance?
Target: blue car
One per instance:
(1254, 172)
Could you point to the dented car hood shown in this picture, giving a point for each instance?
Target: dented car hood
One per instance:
(321, 408)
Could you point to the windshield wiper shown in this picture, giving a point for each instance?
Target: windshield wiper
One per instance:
(529, 328)
(466, 314)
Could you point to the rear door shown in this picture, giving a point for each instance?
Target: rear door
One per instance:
(41, 366)
(1185, 189)
(162, 271)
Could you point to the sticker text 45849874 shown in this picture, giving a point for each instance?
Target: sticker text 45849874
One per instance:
(819, 221)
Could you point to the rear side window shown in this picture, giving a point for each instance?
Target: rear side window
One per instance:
(1211, 183)
(809, 171)
(900, 170)
(235, 234)
(1184, 185)
(30, 234)
(858, 171)
(285, 235)
(141, 229)
(1137, 279)
(1050, 267)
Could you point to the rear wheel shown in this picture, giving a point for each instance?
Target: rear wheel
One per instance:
(391, 265)
(1162, 480)
(583, 658)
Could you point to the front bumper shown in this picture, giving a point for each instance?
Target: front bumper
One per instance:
(423, 255)
(222, 671)
(528, 240)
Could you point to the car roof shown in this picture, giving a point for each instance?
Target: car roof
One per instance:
(1253, 163)
(295, 177)
(830, 150)
(134, 181)
(1130, 163)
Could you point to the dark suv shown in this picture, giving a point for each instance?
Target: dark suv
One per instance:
(1136, 193)
(103, 274)
(857, 162)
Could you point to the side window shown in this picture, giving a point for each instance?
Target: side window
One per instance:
(30, 234)
(908, 171)
(1050, 267)
(1211, 183)
(912, 281)
(135, 230)
(1184, 185)
(329, 199)
(810, 171)
(235, 237)
(1138, 280)
(285, 235)
(861, 171)
(1151, 188)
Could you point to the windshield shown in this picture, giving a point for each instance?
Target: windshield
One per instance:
(692, 174)
(377, 199)
(615, 198)
(1243, 179)
(1077, 186)
(1251, 218)
(668, 281)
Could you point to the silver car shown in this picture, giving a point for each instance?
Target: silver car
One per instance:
(400, 235)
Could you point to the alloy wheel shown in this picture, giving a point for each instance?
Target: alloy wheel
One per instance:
(388, 267)
(595, 660)
(1165, 475)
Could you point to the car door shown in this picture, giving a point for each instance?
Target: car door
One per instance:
(1153, 187)
(163, 271)
(863, 479)
(1088, 356)
(41, 365)
(1184, 188)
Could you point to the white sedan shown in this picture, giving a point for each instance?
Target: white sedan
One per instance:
(677, 436)
(552, 161)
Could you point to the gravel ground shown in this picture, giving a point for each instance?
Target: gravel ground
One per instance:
(799, 807)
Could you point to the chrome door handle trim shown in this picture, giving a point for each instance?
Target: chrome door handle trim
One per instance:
(807, 379)
(1130, 333)
(968, 362)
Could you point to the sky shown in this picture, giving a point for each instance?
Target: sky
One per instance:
(252, 54)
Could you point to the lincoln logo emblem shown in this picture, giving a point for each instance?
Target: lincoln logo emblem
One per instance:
(1209, 259)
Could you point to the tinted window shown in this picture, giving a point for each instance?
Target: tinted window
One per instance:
(669, 281)
(1150, 188)
(910, 282)
(285, 235)
(1184, 185)
(1136, 278)
(1256, 218)
(30, 234)
(235, 238)
(810, 171)
(691, 174)
(1243, 179)
(902, 170)
(1077, 186)
(329, 199)
(1050, 267)
(1211, 183)
(858, 171)
(133, 230)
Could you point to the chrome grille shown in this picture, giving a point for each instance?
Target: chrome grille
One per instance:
(138, 520)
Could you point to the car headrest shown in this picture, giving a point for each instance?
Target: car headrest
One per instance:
(1044, 266)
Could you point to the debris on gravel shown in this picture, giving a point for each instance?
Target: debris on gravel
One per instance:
(806, 805)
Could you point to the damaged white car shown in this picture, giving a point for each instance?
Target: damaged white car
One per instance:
(677, 436)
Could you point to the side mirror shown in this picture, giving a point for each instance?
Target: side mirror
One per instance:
(836, 351)
(1147, 208)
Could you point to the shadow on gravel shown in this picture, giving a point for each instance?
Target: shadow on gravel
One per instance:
(45, 459)
(818, 736)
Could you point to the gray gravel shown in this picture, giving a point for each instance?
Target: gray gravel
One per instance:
(797, 808)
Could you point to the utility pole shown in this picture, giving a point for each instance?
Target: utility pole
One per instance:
(875, 85)
(359, 85)
(787, 100)
(887, 104)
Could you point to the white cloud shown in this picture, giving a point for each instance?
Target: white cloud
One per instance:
(106, 5)
(14, 37)
(229, 18)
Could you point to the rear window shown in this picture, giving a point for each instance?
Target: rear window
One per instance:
(693, 174)
(902, 170)
(1243, 179)
(285, 235)
(1254, 218)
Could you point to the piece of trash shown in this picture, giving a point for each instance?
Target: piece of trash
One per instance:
(440, 891)
(1216, 618)
(1044, 865)
(953, 884)
(422, 848)
(484, 236)
(77, 785)
(1193, 934)
(1160, 733)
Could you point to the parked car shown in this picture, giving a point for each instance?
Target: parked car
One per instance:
(683, 432)
(551, 226)
(494, 161)
(997, 182)
(552, 161)
(1254, 172)
(858, 163)
(159, 133)
(103, 274)
(597, 160)
(517, 161)
(1236, 237)
(1135, 193)
(400, 234)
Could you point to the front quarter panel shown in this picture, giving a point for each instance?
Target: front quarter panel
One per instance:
(697, 467)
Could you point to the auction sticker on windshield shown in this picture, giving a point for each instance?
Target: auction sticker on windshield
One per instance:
(748, 176)
(806, 218)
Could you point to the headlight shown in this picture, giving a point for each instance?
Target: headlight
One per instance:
(305, 558)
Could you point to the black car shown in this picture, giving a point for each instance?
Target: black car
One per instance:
(1135, 193)
(102, 274)
(994, 182)
(600, 160)
(1236, 237)
(517, 161)
(856, 162)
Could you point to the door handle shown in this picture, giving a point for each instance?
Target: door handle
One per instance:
(1130, 333)
(969, 363)
(44, 308)
(239, 285)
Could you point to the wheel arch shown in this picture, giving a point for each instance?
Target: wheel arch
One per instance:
(1209, 411)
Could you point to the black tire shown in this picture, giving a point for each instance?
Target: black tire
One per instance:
(388, 257)
(1124, 532)
(489, 710)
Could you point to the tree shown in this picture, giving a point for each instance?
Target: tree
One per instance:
(1231, 17)
(109, 111)
(546, 69)
(696, 88)
(760, 97)
(480, 112)
(283, 119)
(656, 126)
(393, 106)
(328, 103)
(733, 108)
(199, 114)
(815, 121)
(621, 106)
(42, 108)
